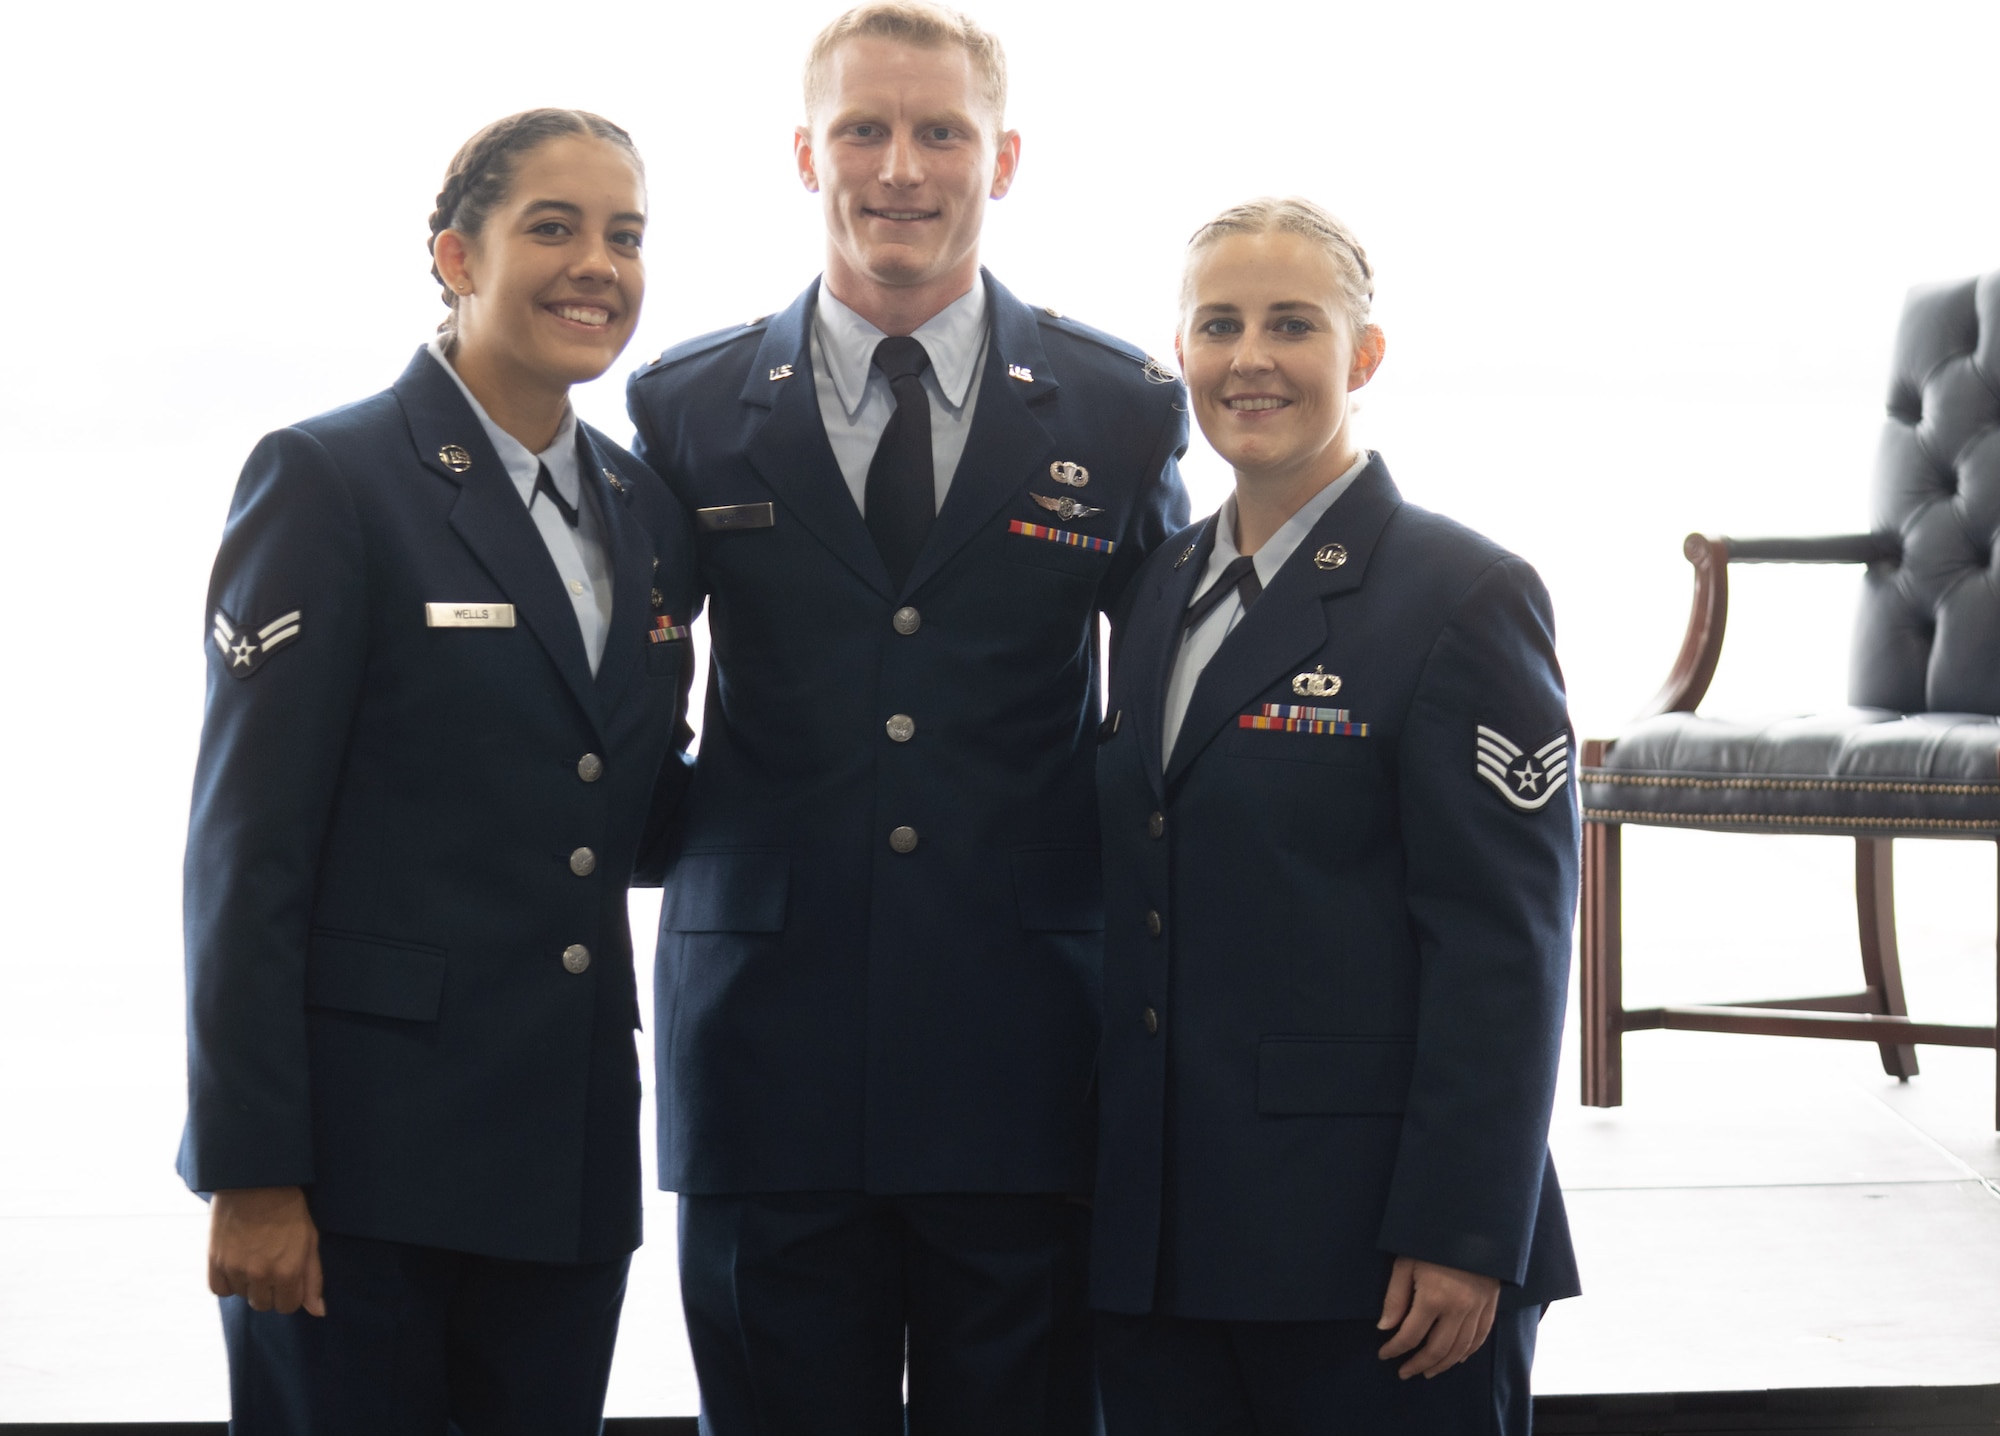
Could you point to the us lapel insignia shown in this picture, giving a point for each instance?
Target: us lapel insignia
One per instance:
(1065, 508)
(1156, 372)
(1186, 554)
(783, 371)
(617, 484)
(1331, 555)
(1526, 780)
(1316, 684)
(1070, 475)
(1021, 372)
(244, 652)
(455, 458)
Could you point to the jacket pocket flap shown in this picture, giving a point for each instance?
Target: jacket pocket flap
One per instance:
(740, 891)
(372, 975)
(1059, 889)
(1338, 1076)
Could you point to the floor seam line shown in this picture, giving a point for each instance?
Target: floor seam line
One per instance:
(1988, 1184)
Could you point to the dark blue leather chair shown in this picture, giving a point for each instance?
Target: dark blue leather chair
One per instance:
(1917, 754)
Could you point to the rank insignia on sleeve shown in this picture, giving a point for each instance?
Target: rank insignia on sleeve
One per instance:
(244, 652)
(1527, 780)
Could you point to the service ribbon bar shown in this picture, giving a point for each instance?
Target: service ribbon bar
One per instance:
(1043, 531)
(1316, 715)
(664, 631)
(1339, 729)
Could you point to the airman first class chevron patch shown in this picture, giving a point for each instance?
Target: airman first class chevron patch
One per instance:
(244, 653)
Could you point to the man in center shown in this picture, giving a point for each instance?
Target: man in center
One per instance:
(879, 957)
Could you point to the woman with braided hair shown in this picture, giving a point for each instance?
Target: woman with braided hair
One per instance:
(447, 672)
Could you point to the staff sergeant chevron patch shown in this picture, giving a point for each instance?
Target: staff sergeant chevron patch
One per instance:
(244, 653)
(1527, 780)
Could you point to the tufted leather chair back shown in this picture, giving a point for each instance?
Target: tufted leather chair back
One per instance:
(1928, 637)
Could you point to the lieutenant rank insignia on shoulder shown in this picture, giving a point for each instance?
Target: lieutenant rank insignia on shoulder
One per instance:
(243, 653)
(1527, 780)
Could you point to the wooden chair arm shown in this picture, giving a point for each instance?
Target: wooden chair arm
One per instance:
(1711, 555)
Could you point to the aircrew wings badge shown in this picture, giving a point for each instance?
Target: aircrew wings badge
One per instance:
(243, 651)
(1527, 780)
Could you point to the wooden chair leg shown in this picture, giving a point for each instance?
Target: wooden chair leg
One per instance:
(1602, 998)
(1882, 969)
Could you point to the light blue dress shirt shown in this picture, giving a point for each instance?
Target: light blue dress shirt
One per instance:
(581, 555)
(855, 401)
(1200, 643)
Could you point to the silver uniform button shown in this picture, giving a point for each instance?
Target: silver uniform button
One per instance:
(590, 767)
(576, 958)
(1156, 825)
(902, 727)
(583, 862)
(1150, 1020)
(907, 621)
(903, 840)
(1153, 925)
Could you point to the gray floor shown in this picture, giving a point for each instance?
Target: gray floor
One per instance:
(1759, 1214)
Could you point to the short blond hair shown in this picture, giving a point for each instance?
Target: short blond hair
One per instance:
(911, 22)
(1307, 220)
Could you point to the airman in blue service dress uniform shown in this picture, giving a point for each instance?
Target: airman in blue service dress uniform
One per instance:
(447, 679)
(879, 956)
(1341, 850)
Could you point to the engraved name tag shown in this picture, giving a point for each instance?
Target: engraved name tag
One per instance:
(735, 516)
(468, 615)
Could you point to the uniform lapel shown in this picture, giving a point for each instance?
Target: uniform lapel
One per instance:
(790, 451)
(493, 522)
(1009, 442)
(631, 554)
(1151, 661)
(1288, 623)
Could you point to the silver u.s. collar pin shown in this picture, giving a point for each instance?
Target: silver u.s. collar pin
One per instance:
(1063, 471)
(1331, 555)
(783, 371)
(1021, 372)
(1316, 684)
(455, 458)
(1186, 554)
(1156, 372)
(616, 483)
(1065, 508)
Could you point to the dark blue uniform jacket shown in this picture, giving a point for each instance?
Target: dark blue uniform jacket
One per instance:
(1341, 1044)
(379, 878)
(836, 1014)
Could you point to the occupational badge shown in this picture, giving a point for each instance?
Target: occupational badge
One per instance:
(1526, 780)
(1070, 475)
(1065, 508)
(1316, 684)
(243, 653)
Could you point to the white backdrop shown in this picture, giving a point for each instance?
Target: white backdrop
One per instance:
(1639, 267)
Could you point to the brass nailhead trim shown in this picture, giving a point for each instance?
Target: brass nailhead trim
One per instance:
(1795, 785)
(1954, 825)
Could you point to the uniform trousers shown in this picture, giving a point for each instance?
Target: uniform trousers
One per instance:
(1173, 1376)
(803, 1307)
(419, 1341)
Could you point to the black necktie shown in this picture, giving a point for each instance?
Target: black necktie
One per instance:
(1241, 575)
(546, 485)
(901, 497)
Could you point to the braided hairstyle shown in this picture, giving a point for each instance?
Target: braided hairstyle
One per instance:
(1307, 220)
(481, 171)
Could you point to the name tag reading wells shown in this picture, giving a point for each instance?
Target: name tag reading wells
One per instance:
(468, 615)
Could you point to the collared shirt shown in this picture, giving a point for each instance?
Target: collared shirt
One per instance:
(855, 402)
(1200, 644)
(581, 554)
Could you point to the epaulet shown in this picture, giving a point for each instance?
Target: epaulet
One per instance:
(702, 344)
(1155, 372)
